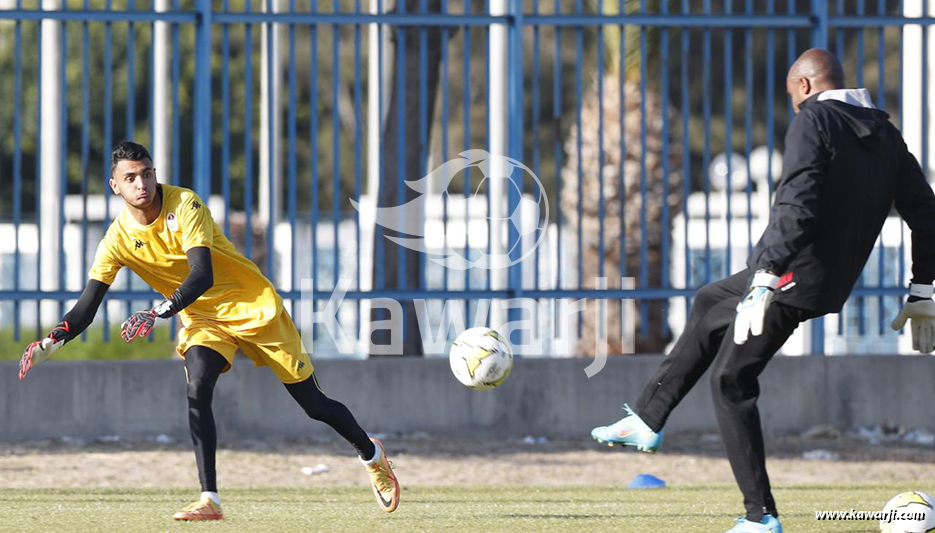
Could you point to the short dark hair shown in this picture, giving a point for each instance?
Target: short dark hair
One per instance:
(128, 151)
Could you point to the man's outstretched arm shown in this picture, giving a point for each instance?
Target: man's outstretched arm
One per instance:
(200, 278)
(73, 323)
(916, 203)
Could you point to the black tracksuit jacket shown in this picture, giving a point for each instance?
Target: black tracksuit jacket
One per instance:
(844, 168)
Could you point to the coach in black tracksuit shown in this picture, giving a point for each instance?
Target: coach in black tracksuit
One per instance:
(844, 167)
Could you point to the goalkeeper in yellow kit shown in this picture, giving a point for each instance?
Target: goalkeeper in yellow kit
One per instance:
(167, 237)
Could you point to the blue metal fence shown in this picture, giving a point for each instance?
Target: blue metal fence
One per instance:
(617, 206)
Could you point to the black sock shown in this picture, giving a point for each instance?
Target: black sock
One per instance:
(322, 408)
(202, 368)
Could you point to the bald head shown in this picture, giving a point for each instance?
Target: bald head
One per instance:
(816, 70)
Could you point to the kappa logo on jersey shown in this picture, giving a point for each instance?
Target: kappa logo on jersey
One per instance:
(195, 204)
(172, 222)
(138, 244)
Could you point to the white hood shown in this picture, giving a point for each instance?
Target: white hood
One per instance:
(855, 97)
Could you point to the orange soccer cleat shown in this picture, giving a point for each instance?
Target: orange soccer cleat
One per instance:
(385, 485)
(203, 509)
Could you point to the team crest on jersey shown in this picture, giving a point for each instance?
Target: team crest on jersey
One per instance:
(172, 222)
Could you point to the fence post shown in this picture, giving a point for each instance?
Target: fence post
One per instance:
(201, 181)
(515, 106)
(819, 21)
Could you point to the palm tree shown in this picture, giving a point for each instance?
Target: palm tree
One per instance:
(624, 209)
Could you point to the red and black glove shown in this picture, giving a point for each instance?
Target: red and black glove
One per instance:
(141, 323)
(39, 351)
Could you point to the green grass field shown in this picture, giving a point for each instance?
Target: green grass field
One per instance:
(700, 508)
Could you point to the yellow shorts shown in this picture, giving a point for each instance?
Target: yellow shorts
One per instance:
(277, 345)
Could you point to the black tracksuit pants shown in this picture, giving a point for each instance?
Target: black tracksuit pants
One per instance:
(709, 338)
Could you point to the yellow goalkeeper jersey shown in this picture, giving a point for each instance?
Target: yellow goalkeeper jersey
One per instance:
(241, 296)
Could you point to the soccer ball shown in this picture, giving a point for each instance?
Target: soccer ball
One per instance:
(909, 512)
(481, 358)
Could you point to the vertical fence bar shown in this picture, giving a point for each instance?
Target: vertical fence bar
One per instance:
(467, 145)
(881, 103)
(248, 133)
(63, 168)
(151, 102)
(130, 109)
(401, 139)
(358, 149)
(17, 167)
(423, 125)
(85, 143)
(842, 52)
(444, 141)
(644, 185)
(225, 120)
(621, 172)
(748, 125)
(336, 143)
(516, 130)
(379, 274)
(291, 177)
(899, 105)
(840, 34)
(557, 156)
(176, 121)
(557, 143)
(487, 145)
(686, 155)
(664, 96)
(313, 150)
(706, 154)
(881, 54)
(272, 111)
(201, 156)
(535, 126)
(770, 99)
(38, 196)
(925, 93)
(579, 43)
(728, 135)
(600, 147)
(819, 23)
(860, 46)
(108, 140)
(839, 47)
(790, 52)
(820, 40)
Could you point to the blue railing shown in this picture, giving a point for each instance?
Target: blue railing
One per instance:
(676, 83)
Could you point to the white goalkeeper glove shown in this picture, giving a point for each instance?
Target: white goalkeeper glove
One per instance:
(751, 311)
(39, 351)
(921, 317)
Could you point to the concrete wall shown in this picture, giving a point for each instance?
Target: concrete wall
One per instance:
(550, 397)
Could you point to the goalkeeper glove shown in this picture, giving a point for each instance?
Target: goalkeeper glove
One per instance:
(920, 312)
(39, 351)
(751, 311)
(141, 323)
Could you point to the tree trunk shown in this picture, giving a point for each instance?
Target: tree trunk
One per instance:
(394, 254)
(622, 226)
